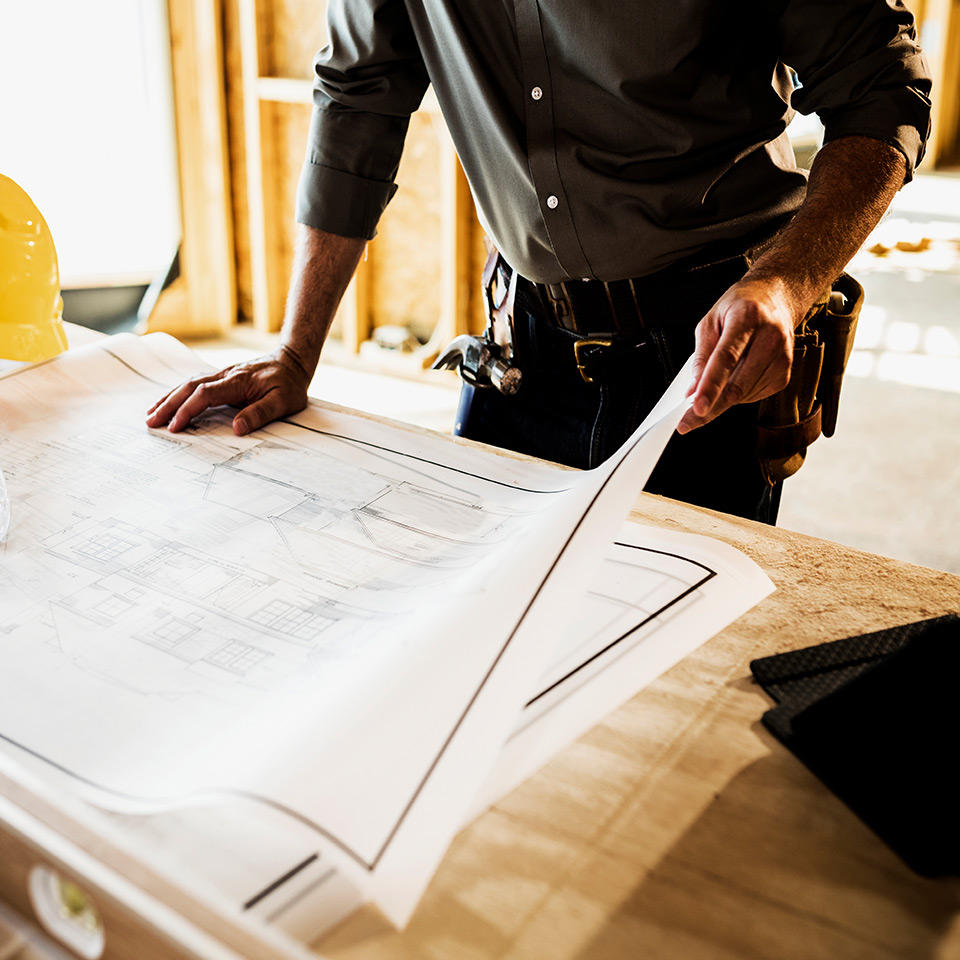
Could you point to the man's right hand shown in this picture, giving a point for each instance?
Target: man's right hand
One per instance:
(267, 388)
(275, 386)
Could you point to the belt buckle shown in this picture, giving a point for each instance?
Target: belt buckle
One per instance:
(588, 344)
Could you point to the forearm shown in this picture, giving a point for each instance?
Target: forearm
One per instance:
(274, 386)
(852, 182)
(322, 268)
(745, 343)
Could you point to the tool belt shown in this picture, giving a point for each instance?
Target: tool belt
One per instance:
(612, 340)
(789, 421)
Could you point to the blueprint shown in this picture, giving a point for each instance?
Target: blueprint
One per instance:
(184, 618)
(654, 598)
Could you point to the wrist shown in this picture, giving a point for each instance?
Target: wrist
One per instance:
(795, 292)
(302, 363)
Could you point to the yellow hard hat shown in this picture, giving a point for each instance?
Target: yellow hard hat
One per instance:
(30, 303)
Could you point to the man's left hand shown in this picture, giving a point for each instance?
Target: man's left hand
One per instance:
(744, 349)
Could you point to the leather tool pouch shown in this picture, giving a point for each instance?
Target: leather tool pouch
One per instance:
(793, 418)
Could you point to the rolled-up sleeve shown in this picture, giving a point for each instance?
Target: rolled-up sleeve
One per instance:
(367, 81)
(861, 70)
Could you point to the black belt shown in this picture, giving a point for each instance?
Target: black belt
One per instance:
(589, 308)
(615, 308)
(607, 322)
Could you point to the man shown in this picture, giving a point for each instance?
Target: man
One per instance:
(629, 160)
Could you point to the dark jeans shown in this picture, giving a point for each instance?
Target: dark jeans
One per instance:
(557, 416)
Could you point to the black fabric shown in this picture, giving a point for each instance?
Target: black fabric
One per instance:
(876, 718)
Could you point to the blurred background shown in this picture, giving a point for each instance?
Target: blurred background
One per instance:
(163, 139)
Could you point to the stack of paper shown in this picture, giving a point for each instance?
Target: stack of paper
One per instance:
(349, 634)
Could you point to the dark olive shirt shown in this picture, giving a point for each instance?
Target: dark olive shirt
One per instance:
(606, 138)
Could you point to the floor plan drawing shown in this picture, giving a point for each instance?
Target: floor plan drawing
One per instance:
(256, 574)
(196, 574)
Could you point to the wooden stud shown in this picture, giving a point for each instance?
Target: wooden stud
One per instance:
(946, 132)
(205, 298)
(457, 258)
(457, 239)
(249, 71)
(939, 32)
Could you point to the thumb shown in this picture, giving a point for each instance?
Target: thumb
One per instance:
(258, 413)
(707, 334)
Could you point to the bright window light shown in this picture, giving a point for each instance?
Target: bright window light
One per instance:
(87, 130)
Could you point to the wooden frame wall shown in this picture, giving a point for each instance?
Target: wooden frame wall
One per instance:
(940, 38)
(203, 300)
(242, 94)
(263, 92)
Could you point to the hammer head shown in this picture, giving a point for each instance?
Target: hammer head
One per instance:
(463, 353)
(476, 361)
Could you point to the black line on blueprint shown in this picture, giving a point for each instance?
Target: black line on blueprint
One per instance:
(377, 455)
(196, 796)
(372, 864)
(296, 898)
(410, 456)
(364, 443)
(280, 881)
(181, 373)
(503, 650)
(710, 574)
(10, 374)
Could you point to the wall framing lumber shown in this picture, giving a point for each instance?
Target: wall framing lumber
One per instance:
(203, 300)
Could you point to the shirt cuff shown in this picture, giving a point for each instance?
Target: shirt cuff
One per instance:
(901, 119)
(341, 203)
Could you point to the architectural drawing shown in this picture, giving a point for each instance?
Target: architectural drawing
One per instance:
(188, 616)
(260, 577)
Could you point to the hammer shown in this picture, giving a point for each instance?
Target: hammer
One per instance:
(478, 362)
(486, 361)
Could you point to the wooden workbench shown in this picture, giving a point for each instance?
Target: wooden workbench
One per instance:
(676, 829)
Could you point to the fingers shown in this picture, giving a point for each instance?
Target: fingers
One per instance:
(267, 408)
(723, 360)
(707, 333)
(744, 350)
(161, 412)
(715, 382)
(170, 404)
(211, 394)
(733, 393)
(763, 370)
(273, 388)
(158, 402)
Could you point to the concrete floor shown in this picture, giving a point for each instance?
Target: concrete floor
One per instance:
(889, 480)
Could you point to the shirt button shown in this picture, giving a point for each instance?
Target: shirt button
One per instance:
(552, 202)
(536, 93)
